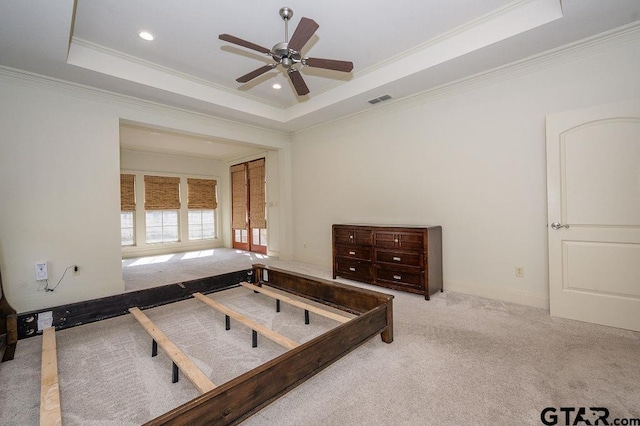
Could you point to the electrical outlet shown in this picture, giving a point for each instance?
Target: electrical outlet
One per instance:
(519, 271)
(41, 271)
(45, 319)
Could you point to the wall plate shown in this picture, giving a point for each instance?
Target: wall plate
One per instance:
(41, 271)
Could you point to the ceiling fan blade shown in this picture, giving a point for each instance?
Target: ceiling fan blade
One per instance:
(298, 82)
(243, 43)
(306, 28)
(255, 73)
(329, 64)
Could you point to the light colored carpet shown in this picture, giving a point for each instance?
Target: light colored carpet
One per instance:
(456, 359)
(152, 271)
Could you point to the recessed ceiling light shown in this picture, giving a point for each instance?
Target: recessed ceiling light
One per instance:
(146, 35)
(277, 86)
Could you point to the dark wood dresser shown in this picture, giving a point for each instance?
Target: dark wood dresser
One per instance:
(407, 258)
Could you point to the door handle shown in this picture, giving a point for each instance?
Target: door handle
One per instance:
(556, 226)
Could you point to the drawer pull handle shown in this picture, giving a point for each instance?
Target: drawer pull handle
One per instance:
(395, 241)
(352, 269)
(397, 277)
(352, 253)
(396, 258)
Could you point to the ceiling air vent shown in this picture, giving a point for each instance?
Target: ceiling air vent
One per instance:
(379, 99)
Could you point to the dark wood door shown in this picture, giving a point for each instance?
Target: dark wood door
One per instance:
(249, 224)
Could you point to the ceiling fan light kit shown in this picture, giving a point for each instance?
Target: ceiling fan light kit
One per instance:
(288, 54)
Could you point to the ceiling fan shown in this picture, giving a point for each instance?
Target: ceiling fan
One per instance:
(288, 54)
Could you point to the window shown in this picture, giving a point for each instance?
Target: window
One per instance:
(127, 209)
(162, 208)
(259, 236)
(202, 224)
(162, 226)
(127, 229)
(241, 236)
(202, 202)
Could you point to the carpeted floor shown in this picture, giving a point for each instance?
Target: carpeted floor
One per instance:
(152, 271)
(456, 359)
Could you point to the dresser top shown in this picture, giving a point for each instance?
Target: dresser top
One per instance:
(374, 225)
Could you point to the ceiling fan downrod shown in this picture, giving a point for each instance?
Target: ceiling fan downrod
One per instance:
(286, 14)
(281, 52)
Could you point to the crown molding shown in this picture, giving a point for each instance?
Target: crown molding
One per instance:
(166, 70)
(591, 46)
(84, 92)
(496, 26)
(511, 7)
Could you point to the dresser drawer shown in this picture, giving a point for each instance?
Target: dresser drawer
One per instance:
(355, 252)
(399, 258)
(399, 240)
(354, 268)
(396, 277)
(353, 236)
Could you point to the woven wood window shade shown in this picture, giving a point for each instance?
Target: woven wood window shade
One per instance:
(161, 193)
(257, 213)
(201, 194)
(127, 193)
(239, 197)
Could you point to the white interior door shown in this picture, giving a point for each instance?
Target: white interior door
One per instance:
(593, 186)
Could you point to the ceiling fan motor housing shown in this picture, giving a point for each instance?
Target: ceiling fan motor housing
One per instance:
(284, 56)
(280, 50)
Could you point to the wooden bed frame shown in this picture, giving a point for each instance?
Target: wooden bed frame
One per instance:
(243, 396)
(8, 327)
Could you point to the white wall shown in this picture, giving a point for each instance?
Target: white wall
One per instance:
(58, 169)
(470, 158)
(59, 182)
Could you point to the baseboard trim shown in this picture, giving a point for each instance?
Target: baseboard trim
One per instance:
(499, 293)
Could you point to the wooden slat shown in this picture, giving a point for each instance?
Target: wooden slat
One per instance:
(50, 413)
(297, 303)
(193, 373)
(265, 331)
